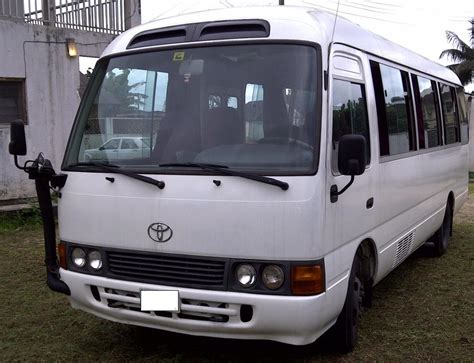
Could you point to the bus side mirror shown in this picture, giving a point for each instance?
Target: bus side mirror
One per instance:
(352, 158)
(17, 144)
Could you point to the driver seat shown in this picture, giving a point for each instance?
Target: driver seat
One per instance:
(222, 126)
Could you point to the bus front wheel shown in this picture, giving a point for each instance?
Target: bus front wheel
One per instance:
(343, 335)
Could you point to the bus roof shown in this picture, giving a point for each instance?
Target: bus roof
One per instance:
(304, 24)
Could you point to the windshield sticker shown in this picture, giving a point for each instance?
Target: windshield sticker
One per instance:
(178, 56)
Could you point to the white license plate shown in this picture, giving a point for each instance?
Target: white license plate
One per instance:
(159, 301)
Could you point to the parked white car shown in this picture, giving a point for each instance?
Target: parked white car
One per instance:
(118, 148)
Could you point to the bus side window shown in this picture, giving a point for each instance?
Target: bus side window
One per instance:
(427, 112)
(451, 123)
(394, 110)
(349, 112)
(419, 112)
(462, 113)
(253, 112)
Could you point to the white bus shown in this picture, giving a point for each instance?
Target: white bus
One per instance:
(288, 170)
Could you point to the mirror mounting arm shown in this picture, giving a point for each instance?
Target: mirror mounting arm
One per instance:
(15, 158)
(334, 190)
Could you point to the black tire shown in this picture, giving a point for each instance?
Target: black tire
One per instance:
(441, 237)
(343, 335)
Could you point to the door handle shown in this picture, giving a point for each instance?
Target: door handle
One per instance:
(370, 203)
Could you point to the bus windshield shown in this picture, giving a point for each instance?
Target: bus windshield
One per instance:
(248, 107)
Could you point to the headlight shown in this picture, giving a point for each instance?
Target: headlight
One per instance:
(95, 260)
(78, 257)
(273, 277)
(246, 275)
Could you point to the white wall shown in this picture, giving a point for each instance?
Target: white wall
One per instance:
(52, 80)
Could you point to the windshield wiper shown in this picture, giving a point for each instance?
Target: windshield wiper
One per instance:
(224, 169)
(112, 168)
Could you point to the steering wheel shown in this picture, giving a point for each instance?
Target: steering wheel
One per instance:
(285, 140)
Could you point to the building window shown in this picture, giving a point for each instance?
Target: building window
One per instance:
(12, 100)
(394, 110)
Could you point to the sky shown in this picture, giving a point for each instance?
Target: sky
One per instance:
(419, 25)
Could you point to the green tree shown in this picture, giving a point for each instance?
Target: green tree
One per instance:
(461, 54)
(120, 94)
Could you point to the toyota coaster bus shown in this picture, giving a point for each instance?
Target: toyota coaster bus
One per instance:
(285, 170)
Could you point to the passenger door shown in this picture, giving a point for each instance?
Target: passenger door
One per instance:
(351, 216)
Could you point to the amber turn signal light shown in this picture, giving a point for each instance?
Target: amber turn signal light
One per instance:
(62, 255)
(307, 280)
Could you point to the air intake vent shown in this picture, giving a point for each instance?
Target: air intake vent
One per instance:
(403, 249)
(165, 269)
(158, 37)
(234, 29)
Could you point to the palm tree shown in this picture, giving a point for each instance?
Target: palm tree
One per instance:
(462, 54)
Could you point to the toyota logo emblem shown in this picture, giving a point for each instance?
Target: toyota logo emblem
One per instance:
(160, 232)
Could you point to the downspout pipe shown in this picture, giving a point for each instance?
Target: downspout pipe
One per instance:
(49, 231)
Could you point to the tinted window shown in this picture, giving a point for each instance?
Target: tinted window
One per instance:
(451, 128)
(253, 112)
(462, 112)
(222, 104)
(427, 112)
(349, 112)
(396, 131)
(12, 104)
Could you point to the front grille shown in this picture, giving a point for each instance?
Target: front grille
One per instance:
(167, 269)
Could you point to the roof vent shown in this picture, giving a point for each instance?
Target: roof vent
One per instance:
(158, 37)
(234, 29)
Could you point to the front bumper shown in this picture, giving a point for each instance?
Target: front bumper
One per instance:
(289, 319)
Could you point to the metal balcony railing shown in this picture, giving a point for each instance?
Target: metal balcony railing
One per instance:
(103, 16)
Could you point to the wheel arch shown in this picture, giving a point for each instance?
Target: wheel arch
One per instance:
(367, 255)
(367, 251)
(450, 204)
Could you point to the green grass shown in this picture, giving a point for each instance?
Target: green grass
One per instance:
(422, 311)
(21, 219)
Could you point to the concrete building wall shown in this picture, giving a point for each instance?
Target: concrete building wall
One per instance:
(38, 55)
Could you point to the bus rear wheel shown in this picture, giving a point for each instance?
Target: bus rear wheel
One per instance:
(343, 334)
(441, 237)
